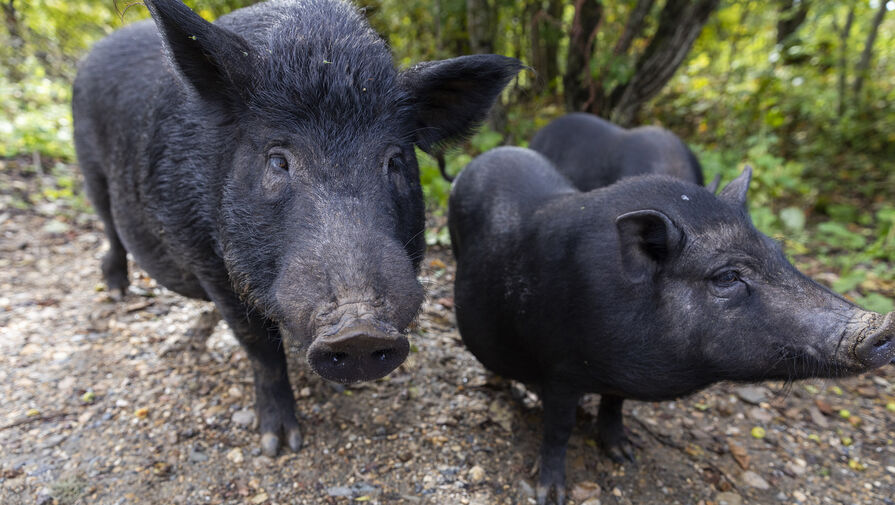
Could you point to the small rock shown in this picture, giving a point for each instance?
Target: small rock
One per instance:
(305, 392)
(817, 417)
(752, 394)
(585, 491)
(235, 455)
(243, 417)
(761, 415)
(259, 498)
(476, 474)
(55, 227)
(799, 496)
(795, 468)
(592, 501)
(823, 406)
(525, 489)
(751, 478)
(739, 454)
(339, 491)
(728, 498)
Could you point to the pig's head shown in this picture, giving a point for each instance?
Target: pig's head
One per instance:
(730, 306)
(321, 210)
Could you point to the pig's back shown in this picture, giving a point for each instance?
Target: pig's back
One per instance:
(583, 148)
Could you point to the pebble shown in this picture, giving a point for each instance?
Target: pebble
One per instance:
(586, 491)
(799, 496)
(235, 455)
(728, 498)
(476, 474)
(751, 478)
(752, 394)
(761, 415)
(244, 417)
(525, 489)
(592, 501)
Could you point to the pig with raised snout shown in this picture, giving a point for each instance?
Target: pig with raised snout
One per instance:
(650, 289)
(266, 163)
(593, 152)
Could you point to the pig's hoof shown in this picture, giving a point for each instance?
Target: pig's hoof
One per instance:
(552, 477)
(620, 449)
(279, 429)
(270, 441)
(542, 492)
(115, 274)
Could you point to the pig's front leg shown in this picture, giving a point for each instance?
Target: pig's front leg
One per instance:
(560, 405)
(611, 428)
(274, 401)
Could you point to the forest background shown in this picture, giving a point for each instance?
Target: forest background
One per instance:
(802, 90)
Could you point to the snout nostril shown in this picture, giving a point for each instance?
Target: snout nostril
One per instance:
(383, 354)
(883, 341)
(338, 358)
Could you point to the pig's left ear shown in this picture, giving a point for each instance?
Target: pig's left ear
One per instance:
(735, 192)
(451, 97)
(647, 239)
(216, 62)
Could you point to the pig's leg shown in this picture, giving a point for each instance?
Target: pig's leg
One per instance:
(274, 401)
(611, 428)
(559, 419)
(114, 265)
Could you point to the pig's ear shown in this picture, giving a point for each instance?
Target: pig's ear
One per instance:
(215, 61)
(647, 239)
(735, 192)
(451, 97)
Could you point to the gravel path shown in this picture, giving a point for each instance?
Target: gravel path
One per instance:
(105, 402)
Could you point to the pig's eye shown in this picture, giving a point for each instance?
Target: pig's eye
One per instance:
(278, 162)
(392, 161)
(726, 278)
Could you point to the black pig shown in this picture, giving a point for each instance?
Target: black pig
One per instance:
(650, 289)
(266, 162)
(593, 152)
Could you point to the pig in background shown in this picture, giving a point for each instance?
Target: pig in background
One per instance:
(650, 289)
(266, 163)
(593, 152)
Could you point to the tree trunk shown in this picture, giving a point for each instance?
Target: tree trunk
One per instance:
(843, 54)
(479, 25)
(792, 14)
(867, 54)
(578, 82)
(680, 23)
(634, 26)
(552, 33)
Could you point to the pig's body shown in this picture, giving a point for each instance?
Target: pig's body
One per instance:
(594, 153)
(649, 289)
(266, 162)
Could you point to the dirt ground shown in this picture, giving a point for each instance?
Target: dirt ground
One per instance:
(105, 402)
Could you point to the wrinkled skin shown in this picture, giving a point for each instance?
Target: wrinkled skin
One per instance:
(594, 153)
(266, 163)
(650, 289)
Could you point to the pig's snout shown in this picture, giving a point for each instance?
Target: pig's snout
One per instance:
(359, 351)
(877, 347)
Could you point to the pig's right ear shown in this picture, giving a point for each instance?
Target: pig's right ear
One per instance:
(647, 239)
(216, 62)
(735, 192)
(451, 97)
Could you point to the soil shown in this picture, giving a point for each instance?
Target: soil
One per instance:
(111, 402)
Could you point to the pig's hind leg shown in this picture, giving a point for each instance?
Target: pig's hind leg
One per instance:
(611, 430)
(114, 263)
(560, 406)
